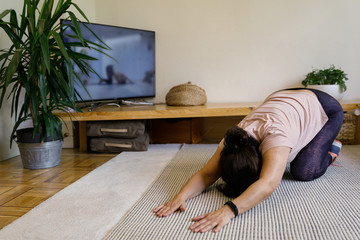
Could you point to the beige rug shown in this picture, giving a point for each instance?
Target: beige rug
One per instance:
(326, 208)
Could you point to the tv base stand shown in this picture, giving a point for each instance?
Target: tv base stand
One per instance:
(97, 105)
(136, 103)
(94, 106)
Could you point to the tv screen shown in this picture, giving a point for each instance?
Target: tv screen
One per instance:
(128, 73)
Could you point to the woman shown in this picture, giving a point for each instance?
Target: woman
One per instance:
(119, 77)
(296, 125)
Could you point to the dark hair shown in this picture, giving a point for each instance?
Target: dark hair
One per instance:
(240, 161)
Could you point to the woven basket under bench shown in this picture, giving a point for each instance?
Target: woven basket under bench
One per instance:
(348, 130)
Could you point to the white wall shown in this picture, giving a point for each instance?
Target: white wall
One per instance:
(242, 50)
(237, 50)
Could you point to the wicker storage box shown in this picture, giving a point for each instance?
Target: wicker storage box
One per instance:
(186, 95)
(348, 130)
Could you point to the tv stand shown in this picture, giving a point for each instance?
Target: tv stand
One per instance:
(162, 111)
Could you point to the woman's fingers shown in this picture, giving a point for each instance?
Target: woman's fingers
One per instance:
(158, 208)
(200, 223)
(182, 207)
(168, 208)
(208, 227)
(203, 225)
(165, 211)
(195, 219)
(218, 227)
(211, 221)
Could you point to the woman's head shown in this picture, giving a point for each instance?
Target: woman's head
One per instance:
(240, 161)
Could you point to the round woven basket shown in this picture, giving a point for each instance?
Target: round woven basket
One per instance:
(186, 94)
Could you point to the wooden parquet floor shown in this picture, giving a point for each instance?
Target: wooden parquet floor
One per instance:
(23, 189)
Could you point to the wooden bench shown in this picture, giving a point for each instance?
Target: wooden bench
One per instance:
(162, 111)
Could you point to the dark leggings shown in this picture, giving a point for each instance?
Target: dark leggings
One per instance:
(313, 160)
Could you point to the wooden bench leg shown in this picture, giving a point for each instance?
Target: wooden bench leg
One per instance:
(196, 130)
(357, 130)
(82, 136)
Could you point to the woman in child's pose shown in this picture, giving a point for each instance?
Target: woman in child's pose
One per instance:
(296, 125)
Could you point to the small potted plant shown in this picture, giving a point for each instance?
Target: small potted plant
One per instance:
(330, 80)
(37, 74)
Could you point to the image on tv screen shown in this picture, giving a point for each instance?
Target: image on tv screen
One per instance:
(131, 72)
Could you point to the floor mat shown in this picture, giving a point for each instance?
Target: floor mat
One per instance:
(326, 208)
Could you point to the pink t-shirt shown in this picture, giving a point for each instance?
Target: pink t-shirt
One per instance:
(288, 118)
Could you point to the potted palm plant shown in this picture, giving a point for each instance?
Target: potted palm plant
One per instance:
(37, 75)
(330, 80)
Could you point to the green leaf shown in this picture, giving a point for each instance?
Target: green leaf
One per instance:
(45, 51)
(59, 5)
(11, 34)
(23, 21)
(60, 10)
(41, 26)
(61, 45)
(77, 27)
(103, 46)
(5, 56)
(31, 8)
(80, 11)
(13, 20)
(4, 13)
(45, 12)
(78, 55)
(42, 88)
(31, 26)
(16, 100)
(13, 65)
(70, 75)
(47, 122)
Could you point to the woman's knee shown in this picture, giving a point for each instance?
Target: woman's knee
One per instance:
(301, 176)
(335, 112)
(304, 175)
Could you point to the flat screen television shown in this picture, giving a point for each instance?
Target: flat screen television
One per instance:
(129, 72)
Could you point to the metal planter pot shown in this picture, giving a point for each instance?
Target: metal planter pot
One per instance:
(36, 155)
(40, 155)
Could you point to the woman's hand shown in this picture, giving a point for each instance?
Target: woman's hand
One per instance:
(170, 207)
(213, 221)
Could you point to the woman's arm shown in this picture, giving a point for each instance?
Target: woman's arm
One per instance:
(194, 186)
(274, 163)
